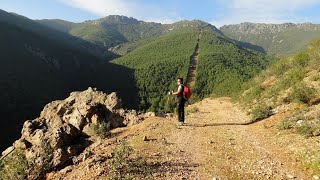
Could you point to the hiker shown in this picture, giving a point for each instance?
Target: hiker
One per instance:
(180, 100)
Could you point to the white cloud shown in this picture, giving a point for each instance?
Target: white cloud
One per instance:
(130, 8)
(263, 11)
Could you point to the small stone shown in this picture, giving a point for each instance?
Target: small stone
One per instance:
(316, 132)
(290, 176)
(316, 177)
(300, 122)
(150, 114)
(145, 138)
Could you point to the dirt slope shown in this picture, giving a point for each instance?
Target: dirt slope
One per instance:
(203, 148)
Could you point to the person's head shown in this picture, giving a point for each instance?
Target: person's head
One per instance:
(180, 81)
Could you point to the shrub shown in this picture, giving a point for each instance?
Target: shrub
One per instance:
(261, 112)
(292, 77)
(101, 129)
(315, 77)
(192, 110)
(126, 164)
(14, 166)
(285, 124)
(305, 130)
(315, 166)
(302, 59)
(302, 93)
(279, 67)
(252, 94)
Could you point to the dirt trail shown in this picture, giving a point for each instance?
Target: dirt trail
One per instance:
(232, 151)
(193, 64)
(204, 148)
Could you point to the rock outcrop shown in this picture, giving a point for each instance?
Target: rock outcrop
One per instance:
(62, 129)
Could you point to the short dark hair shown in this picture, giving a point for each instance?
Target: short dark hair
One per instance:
(181, 79)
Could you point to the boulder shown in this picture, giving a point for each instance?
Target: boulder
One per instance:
(150, 114)
(22, 144)
(63, 125)
(113, 102)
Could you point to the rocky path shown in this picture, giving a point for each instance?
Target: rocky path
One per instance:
(193, 65)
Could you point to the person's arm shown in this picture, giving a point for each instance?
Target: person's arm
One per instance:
(178, 92)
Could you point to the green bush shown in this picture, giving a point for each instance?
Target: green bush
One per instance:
(305, 130)
(285, 124)
(14, 167)
(279, 67)
(301, 93)
(291, 78)
(302, 59)
(126, 164)
(261, 112)
(315, 166)
(252, 94)
(101, 129)
(315, 77)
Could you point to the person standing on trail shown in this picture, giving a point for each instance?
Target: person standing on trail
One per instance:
(180, 100)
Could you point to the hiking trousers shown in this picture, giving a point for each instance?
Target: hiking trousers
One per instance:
(180, 110)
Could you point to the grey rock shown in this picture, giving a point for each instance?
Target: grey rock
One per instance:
(7, 151)
(22, 144)
(64, 124)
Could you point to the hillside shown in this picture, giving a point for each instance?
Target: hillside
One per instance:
(290, 89)
(280, 39)
(54, 35)
(39, 65)
(224, 66)
(158, 63)
(218, 141)
(109, 31)
(120, 34)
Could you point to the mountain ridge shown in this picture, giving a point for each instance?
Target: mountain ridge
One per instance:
(277, 39)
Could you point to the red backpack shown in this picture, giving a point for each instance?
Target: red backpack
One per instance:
(186, 92)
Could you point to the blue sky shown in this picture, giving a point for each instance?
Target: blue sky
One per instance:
(216, 12)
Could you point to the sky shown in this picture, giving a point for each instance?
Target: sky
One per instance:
(216, 12)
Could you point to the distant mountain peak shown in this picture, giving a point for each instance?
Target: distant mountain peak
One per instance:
(195, 23)
(118, 19)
